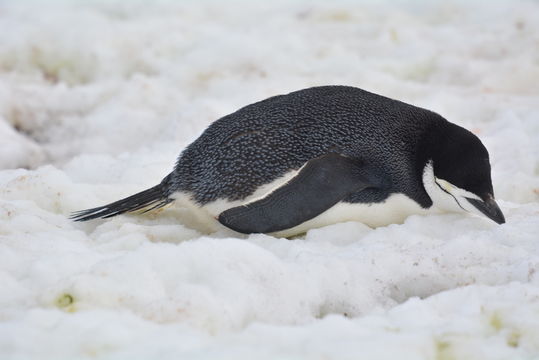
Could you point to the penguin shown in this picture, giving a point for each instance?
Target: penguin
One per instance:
(319, 156)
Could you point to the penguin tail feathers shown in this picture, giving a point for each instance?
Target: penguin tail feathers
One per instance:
(144, 201)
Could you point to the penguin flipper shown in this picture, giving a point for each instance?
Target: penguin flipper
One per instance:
(321, 183)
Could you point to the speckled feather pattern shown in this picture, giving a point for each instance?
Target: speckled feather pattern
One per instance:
(260, 142)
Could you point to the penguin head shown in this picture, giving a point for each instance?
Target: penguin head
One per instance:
(457, 176)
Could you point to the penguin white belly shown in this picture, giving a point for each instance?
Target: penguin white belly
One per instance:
(394, 209)
(206, 215)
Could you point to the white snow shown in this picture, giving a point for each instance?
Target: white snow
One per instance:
(98, 98)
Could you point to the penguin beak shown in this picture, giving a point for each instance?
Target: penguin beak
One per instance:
(489, 208)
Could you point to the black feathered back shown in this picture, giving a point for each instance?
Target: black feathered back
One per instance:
(262, 141)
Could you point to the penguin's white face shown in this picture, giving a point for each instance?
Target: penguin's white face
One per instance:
(449, 197)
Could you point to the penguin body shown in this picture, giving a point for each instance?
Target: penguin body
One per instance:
(319, 156)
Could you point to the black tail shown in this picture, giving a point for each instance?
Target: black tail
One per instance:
(153, 198)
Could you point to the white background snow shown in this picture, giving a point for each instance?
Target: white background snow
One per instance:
(97, 99)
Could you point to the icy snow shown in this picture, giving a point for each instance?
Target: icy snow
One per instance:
(97, 99)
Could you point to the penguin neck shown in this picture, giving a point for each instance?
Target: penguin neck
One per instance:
(429, 150)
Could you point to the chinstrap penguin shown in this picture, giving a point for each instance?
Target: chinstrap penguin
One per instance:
(320, 156)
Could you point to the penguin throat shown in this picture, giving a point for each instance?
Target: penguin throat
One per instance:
(445, 195)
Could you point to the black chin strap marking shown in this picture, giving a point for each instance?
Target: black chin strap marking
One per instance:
(447, 192)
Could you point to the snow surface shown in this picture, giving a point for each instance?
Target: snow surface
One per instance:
(97, 98)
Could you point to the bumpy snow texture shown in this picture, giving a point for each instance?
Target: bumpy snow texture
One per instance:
(97, 99)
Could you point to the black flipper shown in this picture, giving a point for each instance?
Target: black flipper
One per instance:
(147, 200)
(319, 185)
